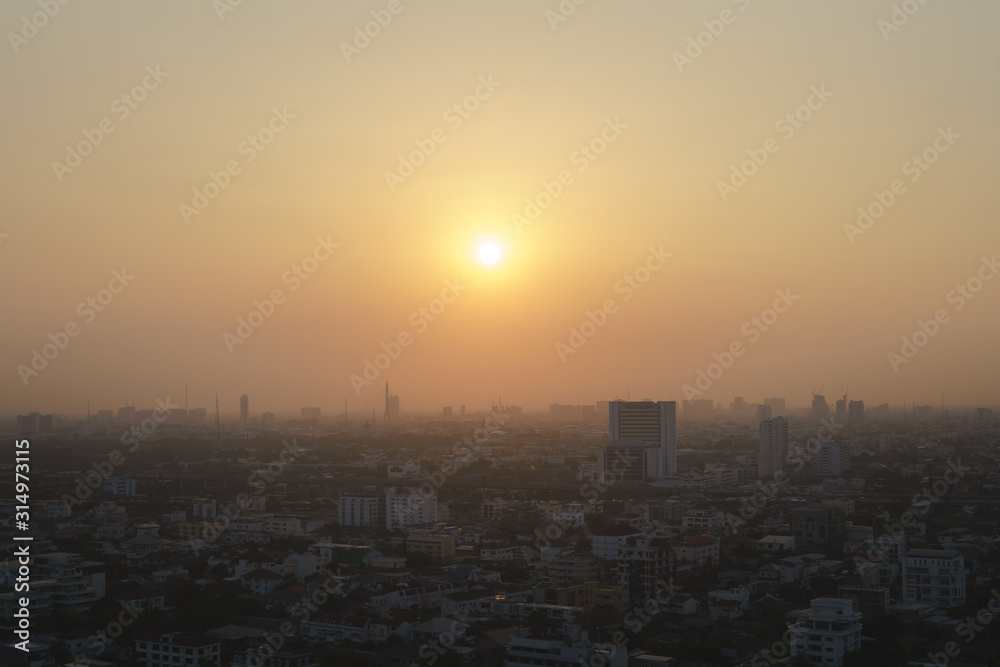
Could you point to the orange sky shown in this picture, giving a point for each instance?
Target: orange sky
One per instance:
(612, 110)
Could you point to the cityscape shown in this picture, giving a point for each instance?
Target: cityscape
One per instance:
(624, 532)
(533, 333)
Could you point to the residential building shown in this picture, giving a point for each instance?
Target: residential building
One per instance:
(361, 509)
(607, 542)
(827, 631)
(773, 442)
(531, 652)
(645, 567)
(772, 544)
(176, 650)
(815, 525)
(833, 458)
(440, 548)
(119, 486)
(409, 508)
(334, 628)
(699, 550)
(934, 576)
(728, 604)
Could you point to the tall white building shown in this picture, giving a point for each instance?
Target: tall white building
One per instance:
(773, 443)
(654, 423)
(827, 631)
(409, 508)
(833, 458)
(934, 576)
(359, 509)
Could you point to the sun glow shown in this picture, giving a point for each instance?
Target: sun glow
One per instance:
(489, 253)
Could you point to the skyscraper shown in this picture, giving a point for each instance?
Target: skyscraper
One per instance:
(655, 424)
(777, 405)
(820, 408)
(773, 442)
(244, 410)
(856, 411)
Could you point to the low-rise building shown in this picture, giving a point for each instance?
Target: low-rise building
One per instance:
(174, 650)
(827, 631)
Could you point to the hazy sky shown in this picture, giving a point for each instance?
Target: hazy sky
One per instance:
(673, 127)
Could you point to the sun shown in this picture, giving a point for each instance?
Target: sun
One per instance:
(489, 253)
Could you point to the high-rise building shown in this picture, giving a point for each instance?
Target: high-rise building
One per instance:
(842, 408)
(126, 415)
(409, 508)
(983, 416)
(815, 524)
(777, 406)
(833, 458)
(267, 419)
(763, 412)
(653, 423)
(820, 408)
(738, 408)
(244, 410)
(699, 409)
(645, 566)
(628, 461)
(360, 509)
(34, 423)
(856, 411)
(773, 444)
(827, 631)
(565, 413)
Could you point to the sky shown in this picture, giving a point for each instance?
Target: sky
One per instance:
(654, 174)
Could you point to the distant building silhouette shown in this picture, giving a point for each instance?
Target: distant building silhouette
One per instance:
(777, 406)
(244, 410)
(34, 423)
(820, 408)
(391, 405)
